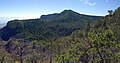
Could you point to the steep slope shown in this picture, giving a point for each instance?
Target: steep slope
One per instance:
(48, 26)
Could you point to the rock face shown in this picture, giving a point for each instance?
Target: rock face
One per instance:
(47, 27)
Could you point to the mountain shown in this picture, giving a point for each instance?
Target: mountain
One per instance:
(68, 15)
(49, 26)
(94, 41)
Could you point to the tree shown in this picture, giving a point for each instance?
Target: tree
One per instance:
(18, 49)
(110, 12)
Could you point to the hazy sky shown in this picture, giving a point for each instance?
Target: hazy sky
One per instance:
(35, 8)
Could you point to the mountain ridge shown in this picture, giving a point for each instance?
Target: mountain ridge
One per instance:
(55, 15)
(48, 26)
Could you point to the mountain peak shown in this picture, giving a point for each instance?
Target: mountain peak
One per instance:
(64, 14)
(69, 14)
(68, 11)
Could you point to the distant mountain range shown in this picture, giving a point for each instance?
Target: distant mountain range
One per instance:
(48, 26)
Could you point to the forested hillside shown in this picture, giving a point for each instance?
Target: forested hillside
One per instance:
(98, 43)
(89, 41)
(47, 27)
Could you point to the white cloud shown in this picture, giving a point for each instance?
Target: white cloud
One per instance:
(87, 2)
(106, 1)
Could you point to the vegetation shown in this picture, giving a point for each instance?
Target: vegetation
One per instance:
(47, 27)
(96, 42)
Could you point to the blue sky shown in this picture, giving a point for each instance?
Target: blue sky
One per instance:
(27, 9)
